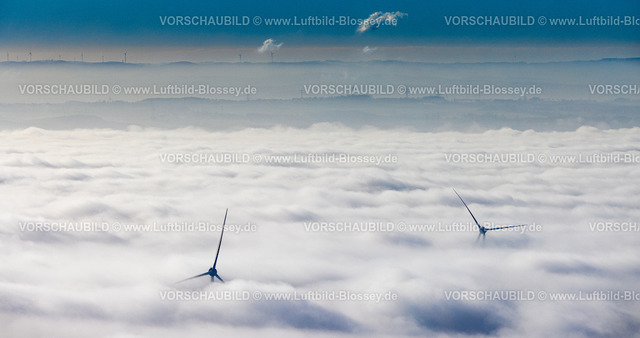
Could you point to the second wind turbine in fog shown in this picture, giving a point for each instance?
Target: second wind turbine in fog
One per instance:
(482, 229)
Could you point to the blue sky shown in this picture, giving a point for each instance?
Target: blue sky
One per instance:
(113, 23)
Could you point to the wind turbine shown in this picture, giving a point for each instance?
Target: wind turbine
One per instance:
(212, 271)
(483, 230)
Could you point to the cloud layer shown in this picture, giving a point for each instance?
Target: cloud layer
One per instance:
(110, 283)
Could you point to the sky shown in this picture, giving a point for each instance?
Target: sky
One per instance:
(55, 28)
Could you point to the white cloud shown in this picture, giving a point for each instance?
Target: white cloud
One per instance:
(378, 19)
(269, 45)
(369, 50)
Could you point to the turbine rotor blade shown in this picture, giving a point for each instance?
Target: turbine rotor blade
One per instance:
(221, 234)
(219, 278)
(200, 275)
(478, 238)
(465, 205)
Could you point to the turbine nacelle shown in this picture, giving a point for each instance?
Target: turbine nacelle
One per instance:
(214, 274)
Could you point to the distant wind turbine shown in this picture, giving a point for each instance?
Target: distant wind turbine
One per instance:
(212, 271)
(483, 230)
